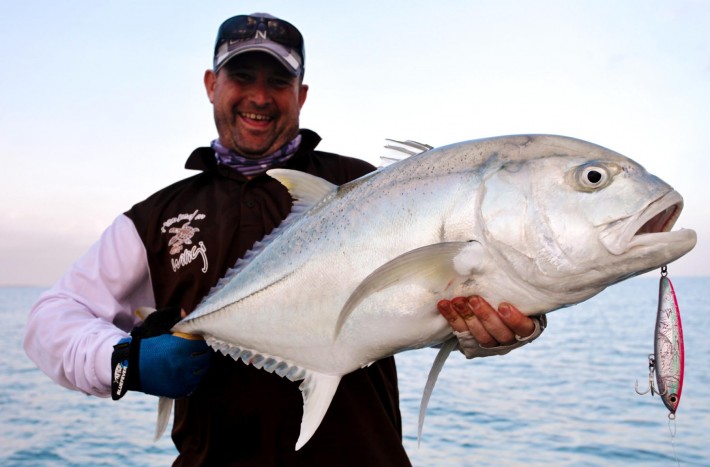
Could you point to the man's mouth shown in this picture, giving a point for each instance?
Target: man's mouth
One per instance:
(255, 117)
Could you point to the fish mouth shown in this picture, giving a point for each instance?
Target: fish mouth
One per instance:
(650, 227)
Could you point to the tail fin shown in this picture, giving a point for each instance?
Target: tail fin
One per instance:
(165, 406)
(144, 311)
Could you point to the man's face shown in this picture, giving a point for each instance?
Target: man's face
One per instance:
(256, 104)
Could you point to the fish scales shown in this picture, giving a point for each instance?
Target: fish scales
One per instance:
(324, 257)
(354, 273)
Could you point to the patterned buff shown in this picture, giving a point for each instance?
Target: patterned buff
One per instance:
(252, 167)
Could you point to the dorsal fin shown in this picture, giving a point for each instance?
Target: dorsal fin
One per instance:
(306, 189)
(400, 150)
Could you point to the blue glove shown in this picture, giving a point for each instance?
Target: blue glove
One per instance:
(155, 362)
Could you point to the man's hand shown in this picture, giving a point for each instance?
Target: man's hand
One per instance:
(483, 331)
(156, 362)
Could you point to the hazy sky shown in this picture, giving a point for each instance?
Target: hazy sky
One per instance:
(102, 102)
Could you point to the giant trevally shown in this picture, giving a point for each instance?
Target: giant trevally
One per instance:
(354, 273)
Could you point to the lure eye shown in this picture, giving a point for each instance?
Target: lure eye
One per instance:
(593, 176)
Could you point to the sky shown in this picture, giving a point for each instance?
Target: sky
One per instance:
(102, 102)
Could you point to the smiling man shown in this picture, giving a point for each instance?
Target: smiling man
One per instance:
(169, 250)
(256, 103)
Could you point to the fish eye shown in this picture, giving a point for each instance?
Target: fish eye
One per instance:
(593, 176)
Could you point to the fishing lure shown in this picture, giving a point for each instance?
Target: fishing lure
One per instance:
(668, 360)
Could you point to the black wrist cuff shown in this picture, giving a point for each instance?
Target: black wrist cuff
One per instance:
(119, 368)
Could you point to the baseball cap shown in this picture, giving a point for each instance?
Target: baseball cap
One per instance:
(260, 32)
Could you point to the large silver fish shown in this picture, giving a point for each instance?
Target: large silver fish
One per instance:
(354, 273)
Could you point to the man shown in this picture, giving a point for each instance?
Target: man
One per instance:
(169, 250)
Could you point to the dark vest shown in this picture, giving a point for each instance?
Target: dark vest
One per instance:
(194, 231)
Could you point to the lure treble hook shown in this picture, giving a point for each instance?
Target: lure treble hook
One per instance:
(651, 372)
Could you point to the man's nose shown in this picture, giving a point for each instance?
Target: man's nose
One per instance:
(260, 93)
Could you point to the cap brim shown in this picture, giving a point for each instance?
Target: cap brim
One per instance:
(284, 55)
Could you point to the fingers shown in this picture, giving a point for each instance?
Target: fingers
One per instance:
(456, 319)
(184, 335)
(489, 327)
(475, 315)
(520, 324)
(492, 330)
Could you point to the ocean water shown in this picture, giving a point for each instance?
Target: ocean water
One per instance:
(566, 399)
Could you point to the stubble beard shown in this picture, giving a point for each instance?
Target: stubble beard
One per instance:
(255, 147)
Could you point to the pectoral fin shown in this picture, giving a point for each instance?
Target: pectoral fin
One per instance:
(435, 266)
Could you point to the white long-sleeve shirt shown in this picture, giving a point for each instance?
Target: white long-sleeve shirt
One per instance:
(73, 327)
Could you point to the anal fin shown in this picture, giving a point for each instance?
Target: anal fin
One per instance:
(318, 390)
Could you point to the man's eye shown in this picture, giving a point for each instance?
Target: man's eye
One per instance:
(240, 76)
(281, 82)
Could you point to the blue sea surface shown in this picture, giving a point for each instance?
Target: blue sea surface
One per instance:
(566, 399)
